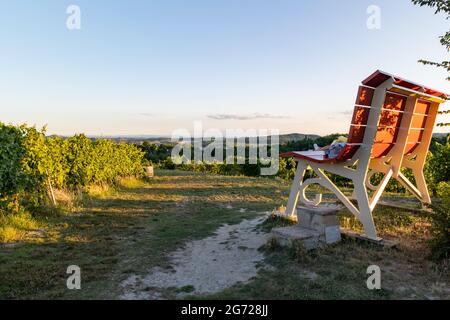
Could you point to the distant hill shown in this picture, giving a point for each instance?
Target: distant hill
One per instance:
(284, 138)
(166, 140)
(296, 137)
(440, 135)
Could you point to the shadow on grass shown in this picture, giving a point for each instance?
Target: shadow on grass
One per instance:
(125, 232)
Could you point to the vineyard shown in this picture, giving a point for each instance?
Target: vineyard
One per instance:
(437, 168)
(31, 165)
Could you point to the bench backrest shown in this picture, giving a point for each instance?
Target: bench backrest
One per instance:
(387, 128)
(393, 116)
(419, 121)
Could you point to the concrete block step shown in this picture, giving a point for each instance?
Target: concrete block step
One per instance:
(318, 218)
(323, 210)
(286, 236)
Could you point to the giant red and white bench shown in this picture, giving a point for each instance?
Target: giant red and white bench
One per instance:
(391, 129)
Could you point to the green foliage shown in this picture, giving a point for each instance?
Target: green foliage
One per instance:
(287, 169)
(155, 153)
(443, 189)
(160, 155)
(439, 5)
(393, 185)
(437, 168)
(30, 162)
(14, 226)
(167, 164)
(440, 224)
(12, 178)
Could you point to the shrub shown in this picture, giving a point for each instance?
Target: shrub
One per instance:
(167, 164)
(440, 223)
(12, 177)
(287, 169)
(437, 168)
(443, 190)
(30, 162)
(440, 229)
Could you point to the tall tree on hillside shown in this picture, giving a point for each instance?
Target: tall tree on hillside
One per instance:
(439, 6)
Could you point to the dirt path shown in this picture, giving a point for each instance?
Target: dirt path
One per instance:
(205, 266)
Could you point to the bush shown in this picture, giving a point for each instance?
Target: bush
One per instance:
(440, 223)
(440, 229)
(167, 164)
(443, 190)
(12, 178)
(31, 162)
(437, 169)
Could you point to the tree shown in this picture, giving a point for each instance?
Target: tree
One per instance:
(439, 6)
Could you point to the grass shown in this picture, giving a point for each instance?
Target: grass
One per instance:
(275, 221)
(16, 227)
(328, 274)
(130, 229)
(339, 271)
(127, 231)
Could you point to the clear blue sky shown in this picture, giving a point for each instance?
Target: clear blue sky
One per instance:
(149, 67)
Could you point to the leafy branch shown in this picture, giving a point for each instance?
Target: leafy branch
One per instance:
(439, 6)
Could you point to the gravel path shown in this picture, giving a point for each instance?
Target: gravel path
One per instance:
(205, 266)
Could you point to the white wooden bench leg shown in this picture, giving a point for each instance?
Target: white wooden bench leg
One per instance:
(422, 185)
(365, 213)
(409, 186)
(295, 189)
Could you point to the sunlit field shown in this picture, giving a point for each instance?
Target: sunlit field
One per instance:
(114, 233)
